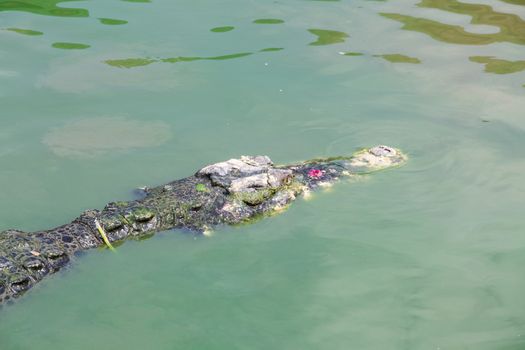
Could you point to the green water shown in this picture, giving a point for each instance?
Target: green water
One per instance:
(428, 256)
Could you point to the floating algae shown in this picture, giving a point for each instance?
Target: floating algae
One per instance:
(499, 66)
(25, 31)
(43, 7)
(352, 54)
(515, 2)
(222, 29)
(70, 46)
(398, 58)
(130, 62)
(511, 27)
(327, 37)
(112, 22)
(138, 62)
(268, 21)
(272, 49)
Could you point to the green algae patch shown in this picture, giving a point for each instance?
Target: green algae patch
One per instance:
(448, 33)
(352, 54)
(70, 46)
(222, 29)
(181, 59)
(201, 188)
(511, 26)
(268, 21)
(272, 49)
(130, 62)
(229, 57)
(327, 37)
(515, 2)
(112, 22)
(140, 62)
(43, 7)
(213, 58)
(499, 66)
(398, 58)
(25, 31)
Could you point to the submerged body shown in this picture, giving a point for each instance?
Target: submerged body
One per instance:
(230, 192)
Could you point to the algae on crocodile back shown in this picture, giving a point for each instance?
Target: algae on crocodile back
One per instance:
(327, 37)
(511, 26)
(399, 58)
(499, 66)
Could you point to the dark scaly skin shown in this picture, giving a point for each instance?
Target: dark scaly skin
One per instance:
(216, 195)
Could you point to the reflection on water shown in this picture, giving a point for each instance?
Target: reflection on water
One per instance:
(499, 66)
(398, 58)
(511, 27)
(24, 31)
(95, 136)
(43, 7)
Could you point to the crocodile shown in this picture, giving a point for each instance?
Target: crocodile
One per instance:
(232, 192)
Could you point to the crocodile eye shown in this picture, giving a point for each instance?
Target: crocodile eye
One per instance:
(34, 265)
(20, 283)
(54, 254)
(111, 223)
(143, 214)
(2, 289)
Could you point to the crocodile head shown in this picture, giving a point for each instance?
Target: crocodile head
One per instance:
(376, 158)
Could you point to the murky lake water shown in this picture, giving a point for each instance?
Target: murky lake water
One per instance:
(100, 97)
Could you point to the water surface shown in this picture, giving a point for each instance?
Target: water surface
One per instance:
(428, 256)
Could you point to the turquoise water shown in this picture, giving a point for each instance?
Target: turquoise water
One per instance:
(428, 256)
